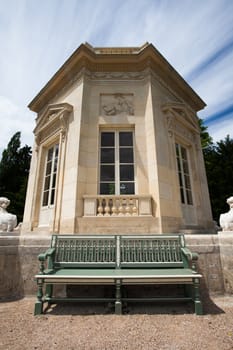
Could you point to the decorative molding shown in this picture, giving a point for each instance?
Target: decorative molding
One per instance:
(180, 130)
(170, 124)
(52, 121)
(180, 121)
(117, 75)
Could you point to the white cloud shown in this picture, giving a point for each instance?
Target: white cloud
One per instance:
(41, 35)
(221, 129)
(14, 118)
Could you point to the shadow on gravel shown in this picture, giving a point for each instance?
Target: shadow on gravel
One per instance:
(133, 308)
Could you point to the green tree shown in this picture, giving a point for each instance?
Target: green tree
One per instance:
(14, 169)
(219, 169)
(206, 139)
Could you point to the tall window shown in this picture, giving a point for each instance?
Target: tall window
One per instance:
(50, 176)
(116, 163)
(184, 175)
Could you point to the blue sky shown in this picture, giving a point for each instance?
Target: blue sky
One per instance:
(37, 36)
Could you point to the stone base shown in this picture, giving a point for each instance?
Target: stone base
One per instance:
(118, 225)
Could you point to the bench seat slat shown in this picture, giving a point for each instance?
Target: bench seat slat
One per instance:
(120, 273)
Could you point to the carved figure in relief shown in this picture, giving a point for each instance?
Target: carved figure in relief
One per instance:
(122, 105)
(226, 219)
(8, 221)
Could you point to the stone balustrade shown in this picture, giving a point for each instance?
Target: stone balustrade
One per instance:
(117, 206)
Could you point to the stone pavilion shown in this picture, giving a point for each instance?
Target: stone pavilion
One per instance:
(117, 148)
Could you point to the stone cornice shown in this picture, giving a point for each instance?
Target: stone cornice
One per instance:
(116, 60)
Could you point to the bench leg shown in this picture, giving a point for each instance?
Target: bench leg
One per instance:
(39, 303)
(118, 303)
(49, 290)
(197, 301)
(38, 308)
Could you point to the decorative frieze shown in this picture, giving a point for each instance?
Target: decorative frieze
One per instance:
(117, 75)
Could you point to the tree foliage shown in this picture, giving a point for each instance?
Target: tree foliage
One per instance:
(219, 169)
(206, 139)
(14, 169)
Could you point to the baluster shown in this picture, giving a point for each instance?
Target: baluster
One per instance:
(107, 208)
(134, 208)
(121, 208)
(100, 207)
(127, 207)
(114, 207)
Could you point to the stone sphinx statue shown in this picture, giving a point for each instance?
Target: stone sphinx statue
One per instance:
(226, 220)
(8, 222)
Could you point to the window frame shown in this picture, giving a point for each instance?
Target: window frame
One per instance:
(184, 175)
(52, 186)
(117, 164)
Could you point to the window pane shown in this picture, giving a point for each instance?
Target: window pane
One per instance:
(107, 188)
(180, 179)
(183, 153)
(54, 180)
(47, 183)
(50, 154)
(127, 188)
(107, 139)
(107, 155)
(55, 165)
(126, 155)
(178, 164)
(126, 173)
(45, 198)
(185, 167)
(56, 150)
(126, 138)
(189, 197)
(52, 197)
(107, 173)
(48, 168)
(187, 182)
(182, 195)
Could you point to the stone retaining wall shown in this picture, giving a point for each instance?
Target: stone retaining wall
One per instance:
(19, 264)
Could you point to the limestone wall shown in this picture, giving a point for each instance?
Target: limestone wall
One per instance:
(19, 264)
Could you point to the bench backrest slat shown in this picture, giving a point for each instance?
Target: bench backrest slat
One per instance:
(151, 251)
(122, 251)
(84, 251)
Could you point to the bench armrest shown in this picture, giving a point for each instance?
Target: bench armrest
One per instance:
(43, 257)
(191, 257)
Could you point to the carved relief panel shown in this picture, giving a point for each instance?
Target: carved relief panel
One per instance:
(116, 104)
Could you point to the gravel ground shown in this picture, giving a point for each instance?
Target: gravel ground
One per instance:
(144, 327)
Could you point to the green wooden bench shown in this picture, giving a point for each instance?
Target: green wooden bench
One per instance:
(120, 261)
